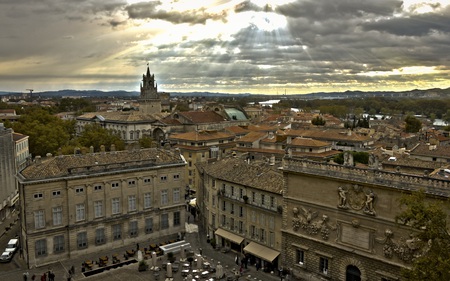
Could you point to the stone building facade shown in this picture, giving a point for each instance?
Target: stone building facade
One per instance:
(240, 203)
(74, 205)
(8, 190)
(339, 221)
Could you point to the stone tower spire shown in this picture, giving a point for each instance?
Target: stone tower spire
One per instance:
(149, 101)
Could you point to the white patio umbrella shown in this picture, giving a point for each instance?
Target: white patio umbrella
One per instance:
(169, 270)
(154, 258)
(199, 262)
(219, 271)
(182, 253)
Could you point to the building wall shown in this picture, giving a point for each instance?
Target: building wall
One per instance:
(7, 171)
(69, 193)
(351, 232)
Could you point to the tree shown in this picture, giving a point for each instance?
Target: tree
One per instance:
(146, 142)
(413, 125)
(430, 220)
(96, 136)
(318, 121)
(47, 133)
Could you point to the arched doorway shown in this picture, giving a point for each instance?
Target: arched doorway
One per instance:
(352, 273)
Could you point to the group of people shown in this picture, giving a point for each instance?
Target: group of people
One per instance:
(50, 275)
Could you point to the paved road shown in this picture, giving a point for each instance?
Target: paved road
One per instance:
(130, 272)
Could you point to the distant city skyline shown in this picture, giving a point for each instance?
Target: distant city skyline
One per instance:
(253, 46)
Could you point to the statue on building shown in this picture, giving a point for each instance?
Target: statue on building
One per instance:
(342, 198)
(368, 205)
(348, 159)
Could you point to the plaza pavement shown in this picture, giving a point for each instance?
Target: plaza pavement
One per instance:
(131, 273)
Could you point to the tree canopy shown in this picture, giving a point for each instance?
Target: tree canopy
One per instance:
(429, 218)
(413, 125)
(94, 135)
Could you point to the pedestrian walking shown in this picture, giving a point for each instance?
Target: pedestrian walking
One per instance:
(33, 277)
(236, 260)
(25, 276)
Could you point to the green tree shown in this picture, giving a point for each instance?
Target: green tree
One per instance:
(47, 133)
(430, 220)
(318, 121)
(96, 136)
(147, 142)
(413, 125)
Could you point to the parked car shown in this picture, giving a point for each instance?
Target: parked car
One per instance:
(6, 257)
(12, 246)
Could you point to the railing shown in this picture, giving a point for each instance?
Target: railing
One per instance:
(392, 179)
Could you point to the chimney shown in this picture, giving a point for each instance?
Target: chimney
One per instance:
(37, 159)
(102, 148)
(113, 147)
(48, 155)
(91, 149)
(272, 160)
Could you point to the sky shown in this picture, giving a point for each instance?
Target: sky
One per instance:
(255, 46)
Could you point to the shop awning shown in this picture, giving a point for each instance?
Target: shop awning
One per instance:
(261, 251)
(229, 235)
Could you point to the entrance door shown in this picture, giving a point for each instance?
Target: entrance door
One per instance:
(352, 273)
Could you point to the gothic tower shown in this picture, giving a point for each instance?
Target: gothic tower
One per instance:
(149, 101)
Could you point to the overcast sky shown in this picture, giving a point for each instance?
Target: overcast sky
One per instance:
(255, 46)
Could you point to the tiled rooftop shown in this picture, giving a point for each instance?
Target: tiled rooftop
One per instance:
(236, 170)
(91, 163)
(202, 136)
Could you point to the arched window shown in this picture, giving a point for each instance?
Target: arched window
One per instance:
(352, 273)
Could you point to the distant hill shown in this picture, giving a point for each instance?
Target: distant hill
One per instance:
(429, 93)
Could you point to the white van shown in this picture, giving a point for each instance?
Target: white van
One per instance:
(12, 246)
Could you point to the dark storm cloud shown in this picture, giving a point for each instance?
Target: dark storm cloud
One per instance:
(317, 10)
(149, 10)
(415, 25)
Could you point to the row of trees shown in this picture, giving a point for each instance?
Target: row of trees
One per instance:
(50, 134)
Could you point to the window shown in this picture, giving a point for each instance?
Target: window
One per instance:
(300, 259)
(41, 247)
(58, 244)
(148, 225)
(79, 212)
(98, 187)
(163, 178)
(253, 196)
(232, 190)
(263, 199)
(147, 200)
(213, 199)
(253, 231)
(133, 228)
(241, 193)
(117, 231)
(241, 211)
(38, 195)
(271, 239)
(272, 202)
(231, 223)
(115, 206)
(82, 240)
(131, 183)
(176, 195)
(176, 219)
(56, 193)
(224, 206)
(190, 172)
(176, 177)
(164, 221)
(241, 227)
(39, 219)
(100, 236)
(79, 190)
(164, 199)
(224, 220)
(147, 180)
(263, 235)
(98, 209)
(213, 220)
(271, 223)
(232, 209)
(323, 265)
(131, 203)
(190, 163)
(57, 215)
(115, 184)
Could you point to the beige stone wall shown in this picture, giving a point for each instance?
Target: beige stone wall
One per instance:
(67, 197)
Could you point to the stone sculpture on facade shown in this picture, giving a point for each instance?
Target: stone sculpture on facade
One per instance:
(354, 197)
(406, 249)
(303, 219)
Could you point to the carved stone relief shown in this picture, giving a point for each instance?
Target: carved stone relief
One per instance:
(354, 197)
(308, 221)
(405, 249)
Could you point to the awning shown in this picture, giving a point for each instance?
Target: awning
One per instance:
(230, 236)
(261, 251)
